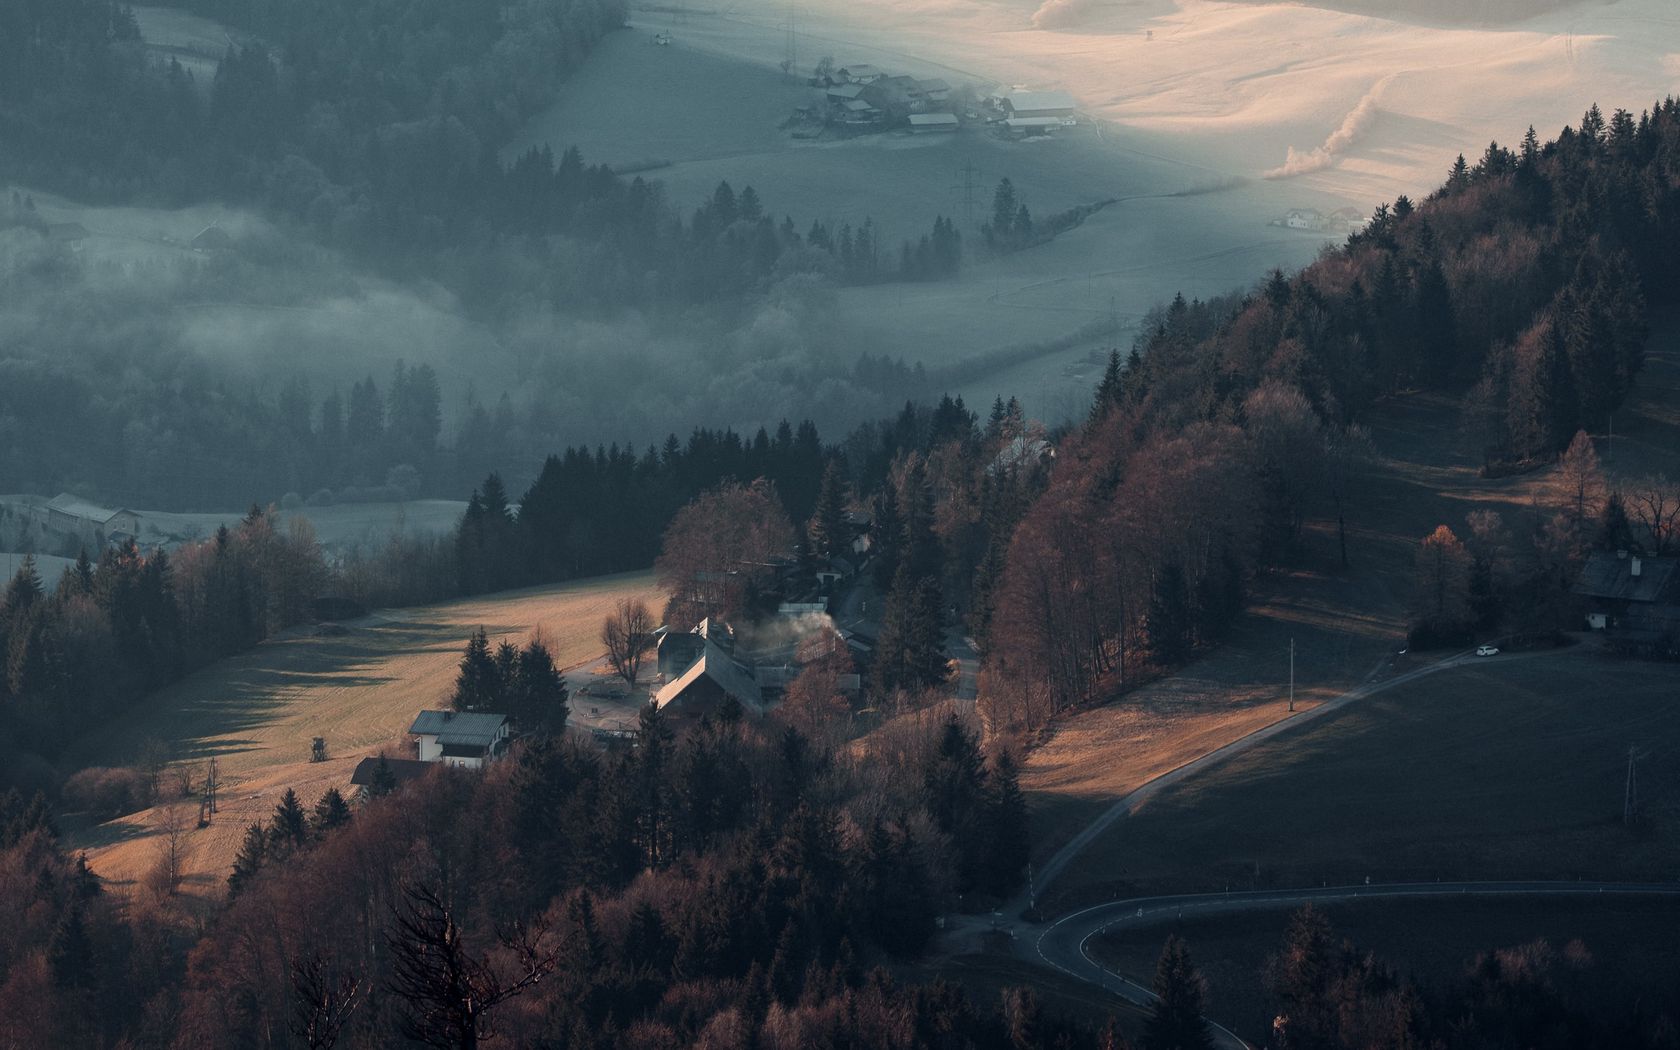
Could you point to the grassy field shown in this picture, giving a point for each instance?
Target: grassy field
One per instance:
(1630, 942)
(257, 713)
(1347, 627)
(1509, 768)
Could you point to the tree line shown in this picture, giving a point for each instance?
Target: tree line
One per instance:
(705, 886)
(1521, 286)
(113, 630)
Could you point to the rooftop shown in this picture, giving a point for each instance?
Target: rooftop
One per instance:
(402, 769)
(730, 676)
(1040, 101)
(459, 727)
(1608, 576)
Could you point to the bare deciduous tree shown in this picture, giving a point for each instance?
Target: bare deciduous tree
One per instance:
(172, 830)
(720, 547)
(451, 993)
(324, 1001)
(627, 633)
(1655, 504)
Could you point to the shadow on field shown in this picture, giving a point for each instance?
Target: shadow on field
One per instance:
(217, 711)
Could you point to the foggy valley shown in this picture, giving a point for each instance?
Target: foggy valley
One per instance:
(907, 523)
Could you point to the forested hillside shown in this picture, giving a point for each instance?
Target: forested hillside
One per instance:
(1521, 287)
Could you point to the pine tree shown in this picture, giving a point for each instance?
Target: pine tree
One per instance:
(541, 686)
(1615, 531)
(1169, 624)
(70, 951)
(253, 852)
(288, 828)
(1175, 1019)
(1010, 839)
(331, 811)
(23, 591)
(1111, 389)
(384, 780)
(955, 788)
(478, 684)
(829, 531)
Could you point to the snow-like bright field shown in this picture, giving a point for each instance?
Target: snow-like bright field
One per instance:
(1270, 106)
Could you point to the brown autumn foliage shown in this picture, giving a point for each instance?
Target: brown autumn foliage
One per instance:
(719, 549)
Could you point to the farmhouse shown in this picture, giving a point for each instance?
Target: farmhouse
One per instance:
(929, 123)
(1634, 596)
(1024, 126)
(460, 738)
(89, 524)
(857, 111)
(860, 74)
(703, 687)
(935, 90)
(1304, 219)
(1035, 104)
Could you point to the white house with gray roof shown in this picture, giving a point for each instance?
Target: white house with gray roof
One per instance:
(460, 738)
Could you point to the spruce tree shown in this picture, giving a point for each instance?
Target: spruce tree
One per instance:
(1109, 391)
(253, 852)
(384, 781)
(1010, 840)
(829, 531)
(1168, 625)
(288, 828)
(1175, 1019)
(541, 686)
(477, 684)
(331, 811)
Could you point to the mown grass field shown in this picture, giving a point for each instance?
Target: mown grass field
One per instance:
(1347, 626)
(1504, 769)
(257, 713)
(1629, 944)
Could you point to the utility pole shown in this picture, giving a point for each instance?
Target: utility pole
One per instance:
(968, 173)
(1291, 676)
(790, 56)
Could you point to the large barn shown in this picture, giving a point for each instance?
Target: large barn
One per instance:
(1027, 105)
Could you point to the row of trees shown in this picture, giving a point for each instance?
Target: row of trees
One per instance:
(113, 630)
(697, 888)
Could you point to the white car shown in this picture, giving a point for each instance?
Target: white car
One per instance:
(1487, 650)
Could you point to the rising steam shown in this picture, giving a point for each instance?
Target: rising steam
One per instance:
(1352, 128)
(1061, 14)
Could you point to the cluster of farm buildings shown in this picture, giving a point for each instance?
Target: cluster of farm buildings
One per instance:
(64, 525)
(697, 672)
(863, 98)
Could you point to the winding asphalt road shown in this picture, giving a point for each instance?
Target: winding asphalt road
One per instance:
(1126, 804)
(1065, 944)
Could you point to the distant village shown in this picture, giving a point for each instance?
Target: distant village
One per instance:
(863, 99)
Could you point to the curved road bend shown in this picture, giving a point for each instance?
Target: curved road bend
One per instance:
(1064, 944)
(1058, 862)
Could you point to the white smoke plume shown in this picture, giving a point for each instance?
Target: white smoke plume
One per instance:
(1352, 128)
(1061, 14)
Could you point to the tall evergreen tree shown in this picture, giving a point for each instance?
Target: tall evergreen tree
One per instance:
(288, 828)
(1009, 836)
(253, 853)
(1175, 1018)
(829, 531)
(478, 685)
(331, 811)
